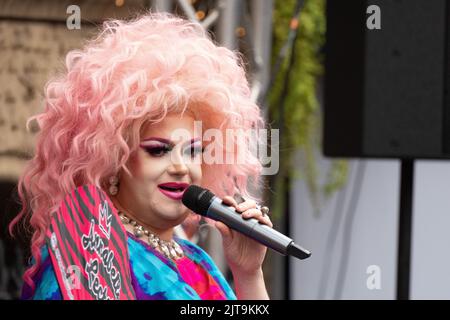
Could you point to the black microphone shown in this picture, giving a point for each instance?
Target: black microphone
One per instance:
(205, 203)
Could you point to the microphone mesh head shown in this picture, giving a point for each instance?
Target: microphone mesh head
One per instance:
(197, 199)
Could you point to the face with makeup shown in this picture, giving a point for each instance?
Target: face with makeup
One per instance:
(161, 159)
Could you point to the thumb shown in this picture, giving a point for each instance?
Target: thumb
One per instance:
(224, 231)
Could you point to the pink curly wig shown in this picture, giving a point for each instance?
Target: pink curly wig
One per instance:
(132, 73)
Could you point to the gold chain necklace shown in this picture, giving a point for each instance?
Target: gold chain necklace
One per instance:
(170, 249)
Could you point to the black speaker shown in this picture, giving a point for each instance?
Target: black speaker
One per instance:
(386, 91)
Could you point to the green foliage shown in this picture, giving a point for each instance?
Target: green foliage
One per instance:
(302, 112)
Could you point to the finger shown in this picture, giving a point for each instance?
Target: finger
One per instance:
(265, 219)
(247, 204)
(258, 215)
(227, 236)
(229, 200)
(252, 213)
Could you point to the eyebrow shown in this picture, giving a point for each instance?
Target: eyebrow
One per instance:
(163, 140)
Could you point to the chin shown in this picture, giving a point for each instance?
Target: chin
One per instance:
(176, 214)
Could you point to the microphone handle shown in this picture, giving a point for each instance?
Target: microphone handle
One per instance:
(250, 227)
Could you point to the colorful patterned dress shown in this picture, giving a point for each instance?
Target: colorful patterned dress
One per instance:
(153, 276)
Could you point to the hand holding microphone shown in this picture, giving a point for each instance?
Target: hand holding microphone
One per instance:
(204, 202)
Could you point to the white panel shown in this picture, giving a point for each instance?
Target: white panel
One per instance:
(373, 235)
(431, 231)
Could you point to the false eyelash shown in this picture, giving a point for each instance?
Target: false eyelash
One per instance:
(155, 150)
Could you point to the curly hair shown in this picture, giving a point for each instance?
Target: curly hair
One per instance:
(131, 73)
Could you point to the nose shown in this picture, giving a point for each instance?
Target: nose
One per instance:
(177, 169)
(177, 166)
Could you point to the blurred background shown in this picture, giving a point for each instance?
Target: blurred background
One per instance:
(359, 93)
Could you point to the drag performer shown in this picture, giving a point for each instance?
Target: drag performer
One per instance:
(117, 146)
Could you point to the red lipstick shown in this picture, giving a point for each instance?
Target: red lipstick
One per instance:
(173, 190)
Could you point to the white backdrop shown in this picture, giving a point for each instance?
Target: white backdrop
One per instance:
(372, 230)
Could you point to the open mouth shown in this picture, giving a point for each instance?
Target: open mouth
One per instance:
(179, 189)
(173, 190)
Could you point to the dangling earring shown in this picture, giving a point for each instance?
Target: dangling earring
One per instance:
(113, 188)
